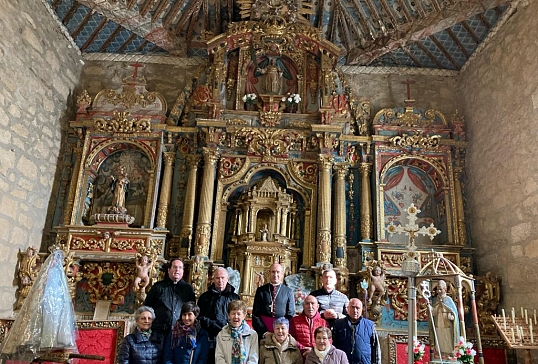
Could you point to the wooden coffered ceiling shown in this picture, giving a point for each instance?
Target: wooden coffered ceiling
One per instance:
(441, 34)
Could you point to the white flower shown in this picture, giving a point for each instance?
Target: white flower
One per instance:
(284, 99)
(245, 98)
(469, 345)
(290, 99)
(297, 98)
(461, 351)
(473, 352)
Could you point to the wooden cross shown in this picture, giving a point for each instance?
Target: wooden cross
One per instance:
(136, 66)
(408, 101)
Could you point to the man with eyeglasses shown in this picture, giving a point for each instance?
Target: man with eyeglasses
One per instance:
(166, 297)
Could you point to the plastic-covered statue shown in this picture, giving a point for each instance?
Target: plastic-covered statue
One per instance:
(46, 321)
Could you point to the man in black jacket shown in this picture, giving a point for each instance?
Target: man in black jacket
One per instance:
(272, 300)
(214, 307)
(166, 297)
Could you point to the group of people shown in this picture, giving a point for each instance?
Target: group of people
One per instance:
(172, 329)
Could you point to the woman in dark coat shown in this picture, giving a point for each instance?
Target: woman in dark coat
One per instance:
(142, 346)
(188, 343)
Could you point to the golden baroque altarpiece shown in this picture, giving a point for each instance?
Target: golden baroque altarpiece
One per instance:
(268, 156)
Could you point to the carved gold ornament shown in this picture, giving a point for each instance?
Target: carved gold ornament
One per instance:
(121, 124)
(416, 141)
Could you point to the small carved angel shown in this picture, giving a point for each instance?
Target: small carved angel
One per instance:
(377, 283)
(142, 273)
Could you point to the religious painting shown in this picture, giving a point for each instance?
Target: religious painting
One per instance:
(406, 185)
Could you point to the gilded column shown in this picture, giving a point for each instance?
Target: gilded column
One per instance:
(460, 212)
(284, 227)
(187, 226)
(366, 204)
(339, 240)
(324, 209)
(203, 229)
(166, 189)
(68, 212)
(246, 277)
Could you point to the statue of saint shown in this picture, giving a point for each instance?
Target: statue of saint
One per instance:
(264, 233)
(273, 77)
(119, 187)
(445, 316)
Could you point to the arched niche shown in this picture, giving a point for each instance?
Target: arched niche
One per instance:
(296, 222)
(141, 166)
(405, 180)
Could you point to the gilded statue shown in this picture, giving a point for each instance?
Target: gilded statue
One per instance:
(273, 77)
(29, 266)
(119, 187)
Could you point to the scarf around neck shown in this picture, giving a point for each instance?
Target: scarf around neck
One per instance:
(185, 333)
(321, 354)
(239, 353)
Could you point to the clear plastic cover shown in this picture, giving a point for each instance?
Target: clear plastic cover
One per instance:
(46, 321)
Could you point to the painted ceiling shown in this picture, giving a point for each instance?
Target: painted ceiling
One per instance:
(439, 34)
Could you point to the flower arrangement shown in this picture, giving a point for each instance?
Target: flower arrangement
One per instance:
(418, 351)
(249, 98)
(291, 99)
(464, 352)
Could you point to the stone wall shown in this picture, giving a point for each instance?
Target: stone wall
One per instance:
(39, 71)
(500, 98)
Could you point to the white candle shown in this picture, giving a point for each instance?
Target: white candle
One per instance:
(513, 337)
(504, 319)
(513, 316)
(518, 333)
(522, 314)
(530, 330)
(535, 317)
(526, 317)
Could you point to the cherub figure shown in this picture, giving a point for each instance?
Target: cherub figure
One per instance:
(377, 283)
(142, 273)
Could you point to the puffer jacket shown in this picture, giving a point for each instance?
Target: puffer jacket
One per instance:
(270, 353)
(214, 308)
(302, 329)
(138, 349)
(334, 356)
(366, 348)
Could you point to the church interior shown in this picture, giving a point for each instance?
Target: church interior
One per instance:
(389, 140)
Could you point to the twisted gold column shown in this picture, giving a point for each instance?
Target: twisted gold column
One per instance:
(339, 240)
(324, 209)
(166, 189)
(203, 229)
(366, 204)
(461, 237)
(68, 212)
(190, 195)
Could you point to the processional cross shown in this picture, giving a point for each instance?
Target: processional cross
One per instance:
(411, 266)
(412, 229)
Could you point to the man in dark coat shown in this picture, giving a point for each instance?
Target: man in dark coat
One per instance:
(214, 308)
(167, 297)
(272, 300)
(356, 336)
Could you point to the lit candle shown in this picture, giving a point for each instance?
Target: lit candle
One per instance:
(513, 336)
(513, 316)
(526, 317)
(530, 330)
(504, 319)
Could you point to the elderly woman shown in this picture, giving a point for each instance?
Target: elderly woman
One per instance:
(188, 342)
(237, 343)
(142, 346)
(324, 352)
(279, 347)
